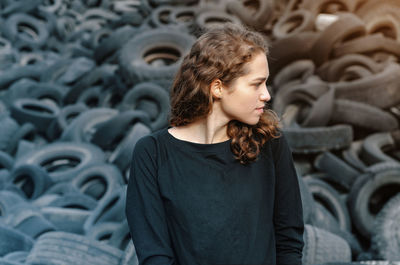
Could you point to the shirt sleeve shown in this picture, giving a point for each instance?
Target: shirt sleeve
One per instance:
(288, 212)
(144, 207)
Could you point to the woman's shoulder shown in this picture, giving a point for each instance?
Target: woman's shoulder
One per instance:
(150, 141)
(278, 143)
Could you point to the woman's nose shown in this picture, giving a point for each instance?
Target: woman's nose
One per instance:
(265, 96)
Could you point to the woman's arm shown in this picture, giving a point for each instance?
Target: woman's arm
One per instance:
(288, 212)
(144, 208)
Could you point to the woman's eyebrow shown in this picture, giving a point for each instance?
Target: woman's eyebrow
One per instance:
(260, 79)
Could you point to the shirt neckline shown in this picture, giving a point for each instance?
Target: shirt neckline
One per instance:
(221, 146)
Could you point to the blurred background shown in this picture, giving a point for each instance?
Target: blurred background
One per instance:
(82, 80)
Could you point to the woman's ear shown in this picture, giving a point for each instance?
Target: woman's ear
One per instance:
(216, 88)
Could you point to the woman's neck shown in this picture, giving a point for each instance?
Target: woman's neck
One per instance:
(204, 131)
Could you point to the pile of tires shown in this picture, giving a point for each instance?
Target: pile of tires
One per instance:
(82, 81)
(335, 68)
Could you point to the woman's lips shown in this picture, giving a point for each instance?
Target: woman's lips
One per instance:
(261, 109)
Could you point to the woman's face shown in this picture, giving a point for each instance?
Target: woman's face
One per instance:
(245, 98)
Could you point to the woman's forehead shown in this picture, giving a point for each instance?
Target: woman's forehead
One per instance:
(257, 68)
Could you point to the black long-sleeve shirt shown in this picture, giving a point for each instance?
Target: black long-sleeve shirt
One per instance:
(193, 204)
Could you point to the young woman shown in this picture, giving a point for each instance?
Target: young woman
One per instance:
(218, 186)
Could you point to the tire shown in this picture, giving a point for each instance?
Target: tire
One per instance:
(108, 134)
(102, 231)
(347, 25)
(133, 18)
(45, 200)
(12, 31)
(66, 219)
(125, 148)
(84, 30)
(63, 160)
(171, 2)
(98, 76)
(130, 257)
(336, 169)
(90, 97)
(6, 161)
(13, 240)
(351, 155)
(26, 131)
(323, 6)
(4, 175)
(36, 58)
(23, 148)
(308, 203)
(296, 92)
(59, 248)
(381, 17)
(16, 256)
(319, 139)
(75, 49)
(51, 7)
(5, 45)
(64, 118)
(152, 92)
(7, 129)
(322, 246)
(74, 201)
(303, 166)
(81, 129)
(20, 7)
(62, 188)
(257, 19)
(120, 238)
(300, 69)
(113, 43)
(34, 111)
(28, 220)
(333, 70)
(363, 116)
(184, 16)
(161, 16)
(33, 180)
(372, 152)
(8, 186)
(385, 243)
(378, 90)
(369, 193)
(27, 88)
(65, 26)
(284, 27)
(29, 71)
(206, 20)
(150, 107)
(330, 198)
(136, 59)
(98, 181)
(76, 69)
(56, 70)
(99, 13)
(284, 52)
(367, 45)
(7, 200)
(123, 7)
(111, 209)
(6, 262)
(321, 110)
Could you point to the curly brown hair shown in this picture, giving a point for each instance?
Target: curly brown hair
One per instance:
(222, 52)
